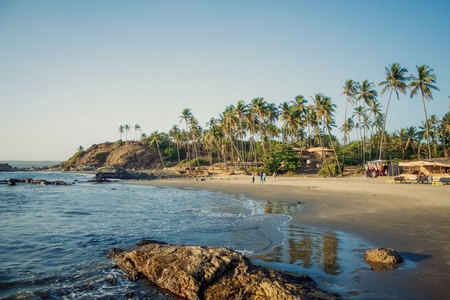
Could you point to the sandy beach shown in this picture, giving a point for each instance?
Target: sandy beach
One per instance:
(413, 219)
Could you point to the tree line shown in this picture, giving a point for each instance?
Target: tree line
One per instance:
(247, 134)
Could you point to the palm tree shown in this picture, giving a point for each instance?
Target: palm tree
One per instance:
(425, 83)
(240, 110)
(291, 119)
(156, 138)
(359, 111)
(136, 128)
(186, 115)
(445, 124)
(80, 148)
(121, 130)
(349, 92)
(366, 93)
(325, 110)
(127, 129)
(175, 134)
(375, 110)
(434, 131)
(395, 81)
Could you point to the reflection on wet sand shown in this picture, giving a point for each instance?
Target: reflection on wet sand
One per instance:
(308, 249)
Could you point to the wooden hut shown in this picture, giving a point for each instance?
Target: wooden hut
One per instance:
(426, 167)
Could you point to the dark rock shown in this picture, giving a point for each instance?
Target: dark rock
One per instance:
(6, 168)
(122, 174)
(36, 182)
(212, 273)
(113, 281)
(129, 295)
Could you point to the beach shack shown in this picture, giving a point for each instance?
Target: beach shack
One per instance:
(428, 168)
(312, 158)
(382, 168)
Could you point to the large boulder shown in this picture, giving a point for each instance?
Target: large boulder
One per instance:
(211, 273)
(383, 259)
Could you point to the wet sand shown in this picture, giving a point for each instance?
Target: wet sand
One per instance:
(413, 219)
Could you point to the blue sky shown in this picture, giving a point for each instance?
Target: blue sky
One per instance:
(72, 72)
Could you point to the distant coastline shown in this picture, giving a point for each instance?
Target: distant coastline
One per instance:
(30, 163)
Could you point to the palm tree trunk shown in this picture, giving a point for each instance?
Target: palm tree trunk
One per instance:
(332, 145)
(364, 134)
(384, 124)
(345, 136)
(426, 125)
(323, 152)
(160, 157)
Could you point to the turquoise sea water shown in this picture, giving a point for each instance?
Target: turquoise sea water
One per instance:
(54, 239)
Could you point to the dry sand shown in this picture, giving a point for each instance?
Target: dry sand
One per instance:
(414, 219)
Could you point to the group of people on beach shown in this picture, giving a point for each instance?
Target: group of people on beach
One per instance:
(262, 176)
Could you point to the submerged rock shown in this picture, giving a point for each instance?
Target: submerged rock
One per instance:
(211, 273)
(382, 259)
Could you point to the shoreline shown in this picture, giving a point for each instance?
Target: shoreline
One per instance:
(412, 219)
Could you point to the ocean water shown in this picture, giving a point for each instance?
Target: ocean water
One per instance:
(54, 239)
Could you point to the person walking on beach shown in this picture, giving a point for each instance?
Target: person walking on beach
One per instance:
(253, 177)
(261, 177)
(275, 175)
(264, 176)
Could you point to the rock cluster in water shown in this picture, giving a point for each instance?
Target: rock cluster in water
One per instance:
(13, 182)
(211, 273)
(383, 259)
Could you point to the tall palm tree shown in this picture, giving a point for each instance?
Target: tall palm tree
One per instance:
(127, 129)
(349, 92)
(175, 134)
(259, 109)
(425, 83)
(445, 124)
(325, 110)
(395, 81)
(240, 110)
(186, 115)
(367, 94)
(136, 128)
(121, 130)
(411, 138)
(156, 138)
(359, 112)
(375, 111)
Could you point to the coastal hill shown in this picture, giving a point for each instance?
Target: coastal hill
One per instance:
(126, 155)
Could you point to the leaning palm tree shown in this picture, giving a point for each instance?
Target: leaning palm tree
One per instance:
(349, 92)
(156, 138)
(395, 81)
(367, 94)
(425, 83)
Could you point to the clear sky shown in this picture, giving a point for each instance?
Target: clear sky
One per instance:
(72, 72)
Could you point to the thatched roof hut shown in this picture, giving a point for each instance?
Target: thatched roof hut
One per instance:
(426, 167)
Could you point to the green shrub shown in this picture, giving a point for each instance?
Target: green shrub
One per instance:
(101, 156)
(71, 162)
(118, 144)
(281, 160)
(171, 152)
(196, 162)
(324, 172)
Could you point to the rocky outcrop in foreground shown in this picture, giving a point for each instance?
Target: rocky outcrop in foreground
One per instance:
(13, 182)
(383, 259)
(211, 273)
